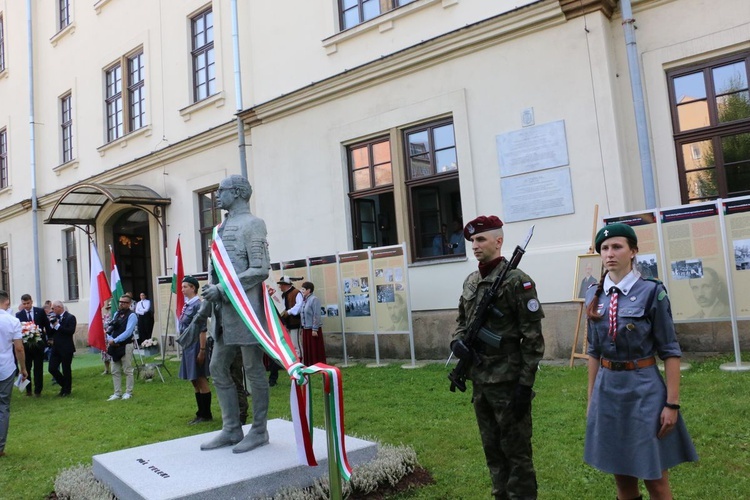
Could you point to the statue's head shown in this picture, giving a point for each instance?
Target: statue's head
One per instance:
(232, 188)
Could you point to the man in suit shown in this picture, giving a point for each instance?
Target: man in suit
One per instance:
(34, 353)
(710, 295)
(62, 327)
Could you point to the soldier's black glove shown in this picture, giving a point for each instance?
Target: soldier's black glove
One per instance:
(520, 405)
(460, 349)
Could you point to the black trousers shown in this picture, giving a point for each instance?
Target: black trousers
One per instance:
(35, 358)
(65, 379)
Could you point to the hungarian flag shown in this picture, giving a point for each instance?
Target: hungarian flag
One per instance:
(100, 293)
(178, 273)
(115, 283)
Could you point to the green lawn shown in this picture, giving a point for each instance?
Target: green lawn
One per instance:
(392, 405)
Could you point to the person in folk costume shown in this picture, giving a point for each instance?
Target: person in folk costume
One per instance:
(634, 427)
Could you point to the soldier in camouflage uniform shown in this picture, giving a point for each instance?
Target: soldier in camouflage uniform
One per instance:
(503, 379)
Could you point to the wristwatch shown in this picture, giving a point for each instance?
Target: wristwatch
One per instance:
(672, 406)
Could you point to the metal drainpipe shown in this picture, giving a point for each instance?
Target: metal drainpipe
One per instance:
(641, 124)
(238, 89)
(32, 159)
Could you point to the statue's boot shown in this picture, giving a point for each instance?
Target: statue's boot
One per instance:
(258, 433)
(231, 431)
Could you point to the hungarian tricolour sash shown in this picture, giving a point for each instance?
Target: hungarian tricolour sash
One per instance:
(276, 343)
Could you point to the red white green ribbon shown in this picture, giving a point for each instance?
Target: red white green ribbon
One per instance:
(276, 343)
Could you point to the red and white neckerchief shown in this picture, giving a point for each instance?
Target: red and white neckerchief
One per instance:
(613, 312)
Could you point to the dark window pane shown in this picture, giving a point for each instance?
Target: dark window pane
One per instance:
(730, 78)
(690, 87)
(446, 160)
(738, 177)
(443, 137)
(736, 148)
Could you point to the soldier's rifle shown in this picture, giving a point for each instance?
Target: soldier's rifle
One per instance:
(476, 331)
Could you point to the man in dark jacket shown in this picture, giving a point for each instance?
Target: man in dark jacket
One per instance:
(61, 331)
(34, 352)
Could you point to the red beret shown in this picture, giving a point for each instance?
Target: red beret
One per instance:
(481, 224)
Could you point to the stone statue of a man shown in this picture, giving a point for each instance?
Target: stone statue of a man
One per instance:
(244, 237)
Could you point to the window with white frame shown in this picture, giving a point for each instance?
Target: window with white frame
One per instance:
(125, 113)
(202, 53)
(71, 264)
(63, 17)
(3, 158)
(430, 186)
(66, 127)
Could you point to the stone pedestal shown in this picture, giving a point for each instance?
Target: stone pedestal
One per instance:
(179, 469)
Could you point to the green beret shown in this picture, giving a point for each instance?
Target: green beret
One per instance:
(192, 281)
(612, 230)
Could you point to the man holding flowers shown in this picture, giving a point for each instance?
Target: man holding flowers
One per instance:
(34, 325)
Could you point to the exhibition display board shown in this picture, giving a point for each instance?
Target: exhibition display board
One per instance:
(701, 252)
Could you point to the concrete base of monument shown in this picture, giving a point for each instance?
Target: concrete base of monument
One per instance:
(179, 469)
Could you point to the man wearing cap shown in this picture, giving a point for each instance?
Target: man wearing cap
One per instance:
(503, 376)
(291, 318)
(244, 238)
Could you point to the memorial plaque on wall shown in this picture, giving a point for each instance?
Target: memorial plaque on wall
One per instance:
(355, 277)
(649, 251)
(532, 148)
(737, 217)
(323, 274)
(391, 305)
(694, 267)
(536, 195)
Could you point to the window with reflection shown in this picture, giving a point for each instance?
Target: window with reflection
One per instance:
(125, 112)
(371, 193)
(354, 12)
(3, 158)
(204, 64)
(433, 190)
(711, 121)
(209, 217)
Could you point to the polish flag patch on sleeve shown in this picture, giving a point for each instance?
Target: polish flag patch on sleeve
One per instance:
(528, 285)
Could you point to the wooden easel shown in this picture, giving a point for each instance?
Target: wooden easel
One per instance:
(582, 354)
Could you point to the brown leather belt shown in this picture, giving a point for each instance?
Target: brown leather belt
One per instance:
(619, 366)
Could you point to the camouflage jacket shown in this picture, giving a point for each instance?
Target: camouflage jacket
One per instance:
(520, 327)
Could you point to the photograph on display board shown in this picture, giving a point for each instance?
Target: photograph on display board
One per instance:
(385, 293)
(389, 274)
(741, 255)
(357, 305)
(379, 273)
(398, 274)
(710, 294)
(332, 310)
(646, 265)
(687, 269)
(397, 318)
(364, 284)
(347, 286)
(588, 272)
(323, 313)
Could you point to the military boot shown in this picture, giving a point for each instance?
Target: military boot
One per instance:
(258, 434)
(231, 431)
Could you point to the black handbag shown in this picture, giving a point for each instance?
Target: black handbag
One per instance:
(117, 351)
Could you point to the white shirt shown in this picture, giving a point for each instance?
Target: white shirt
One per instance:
(294, 311)
(142, 307)
(10, 330)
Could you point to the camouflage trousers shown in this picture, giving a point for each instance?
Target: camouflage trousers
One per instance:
(506, 442)
(238, 377)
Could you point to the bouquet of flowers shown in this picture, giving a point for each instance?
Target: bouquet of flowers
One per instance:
(31, 334)
(152, 342)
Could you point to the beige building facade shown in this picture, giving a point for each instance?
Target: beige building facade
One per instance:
(366, 123)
